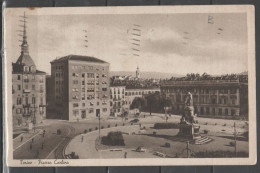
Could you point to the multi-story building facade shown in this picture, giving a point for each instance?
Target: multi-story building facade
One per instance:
(132, 93)
(216, 98)
(118, 103)
(80, 87)
(28, 89)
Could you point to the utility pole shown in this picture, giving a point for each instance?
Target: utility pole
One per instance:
(34, 118)
(188, 143)
(99, 125)
(235, 137)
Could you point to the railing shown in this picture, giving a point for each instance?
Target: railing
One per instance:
(26, 80)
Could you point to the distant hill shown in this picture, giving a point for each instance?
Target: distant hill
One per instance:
(145, 75)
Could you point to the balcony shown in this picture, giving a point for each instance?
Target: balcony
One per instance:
(42, 105)
(26, 80)
(41, 81)
(26, 90)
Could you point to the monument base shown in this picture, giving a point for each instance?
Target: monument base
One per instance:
(190, 131)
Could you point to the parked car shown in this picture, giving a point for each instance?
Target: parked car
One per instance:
(134, 120)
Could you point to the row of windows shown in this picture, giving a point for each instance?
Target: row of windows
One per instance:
(75, 82)
(117, 91)
(75, 67)
(59, 75)
(133, 93)
(206, 99)
(29, 69)
(202, 91)
(27, 77)
(59, 67)
(117, 96)
(26, 101)
(19, 87)
(83, 112)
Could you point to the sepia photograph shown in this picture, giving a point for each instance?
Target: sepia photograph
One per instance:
(106, 86)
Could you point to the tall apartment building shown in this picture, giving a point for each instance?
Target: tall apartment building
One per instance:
(117, 96)
(28, 88)
(216, 98)
(80, 88)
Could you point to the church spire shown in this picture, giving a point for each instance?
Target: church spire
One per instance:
(137, 72)
(24, 45)
(24, 58)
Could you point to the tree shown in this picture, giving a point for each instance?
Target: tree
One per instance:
(138, 103)
(153, 102)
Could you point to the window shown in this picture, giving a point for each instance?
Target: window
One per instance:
(82, 97)
(41, 101)
(91, 110)
(220, 111)
(32, 69)
(18, 87)
(19, 101)
(18, 77)
(33, 87)
(41, 88)
(104, 89)
(83, 104)
(97, 103)
(83, 82)
(75, 112)
(226, 111)
(18, 110)
(26, 100)
(233, 91)
(75, 82)
(26, 68)
(90, 75)
(75, 105)
(83, 75)
(26, 87)
(33, 100)
(104, 109)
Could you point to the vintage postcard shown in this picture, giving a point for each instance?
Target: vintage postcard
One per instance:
(120, 86)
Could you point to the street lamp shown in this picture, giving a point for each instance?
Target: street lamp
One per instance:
(99, 125)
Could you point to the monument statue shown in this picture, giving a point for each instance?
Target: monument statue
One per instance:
(188, 113)
(188, 125)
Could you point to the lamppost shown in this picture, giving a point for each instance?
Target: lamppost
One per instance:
(99, 125)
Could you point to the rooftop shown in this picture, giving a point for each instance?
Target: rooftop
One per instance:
(78, 58)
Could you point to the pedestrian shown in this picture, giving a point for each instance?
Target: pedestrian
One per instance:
(30, 146)
(125, 155)
(42, 145)
(82, 138)
(21, 138)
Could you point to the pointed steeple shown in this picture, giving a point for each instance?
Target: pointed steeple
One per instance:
(24, 45)
(137, 72)
(25, 58)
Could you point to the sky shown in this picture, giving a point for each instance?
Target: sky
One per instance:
(170, 43)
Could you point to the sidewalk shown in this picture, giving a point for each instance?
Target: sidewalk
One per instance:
(17, 143)
(87, 149)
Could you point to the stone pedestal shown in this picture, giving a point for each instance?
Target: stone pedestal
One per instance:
(190, 131)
